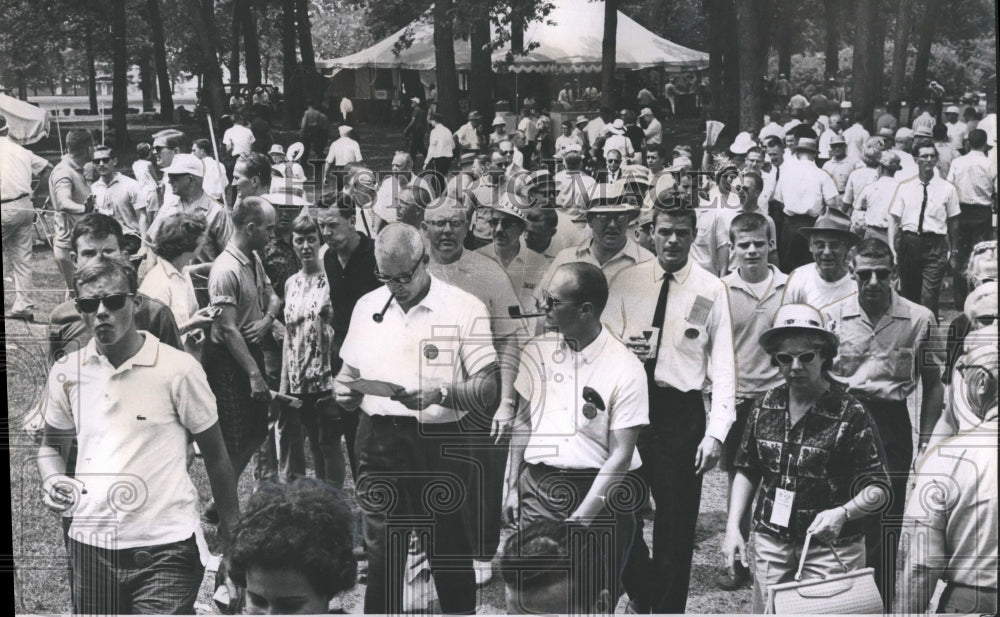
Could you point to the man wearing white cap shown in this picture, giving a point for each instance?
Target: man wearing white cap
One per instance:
(651, 128)
(616, 140)
(958, 131)
(185, 176)
(499, 133)
(342, 152)
(738, 150)
(840, 166)
(855, 135)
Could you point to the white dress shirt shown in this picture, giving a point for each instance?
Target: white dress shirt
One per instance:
(630, 255)
(343, 151)
(441, 144)
(803, 188)
(239, 139)
(875, 199)
(974, 178)
(942, 204)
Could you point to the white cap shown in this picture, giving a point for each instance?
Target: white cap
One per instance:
(951, 109)
(276, 149)
(186, 164)
(344, 130)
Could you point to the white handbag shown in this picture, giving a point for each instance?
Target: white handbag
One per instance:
(853, 592)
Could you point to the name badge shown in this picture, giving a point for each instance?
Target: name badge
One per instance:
(781, 513)
(699, 311)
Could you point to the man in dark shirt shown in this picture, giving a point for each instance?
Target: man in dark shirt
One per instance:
(350, 270)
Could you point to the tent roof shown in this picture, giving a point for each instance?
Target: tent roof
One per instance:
(27, 123)
(569, 40)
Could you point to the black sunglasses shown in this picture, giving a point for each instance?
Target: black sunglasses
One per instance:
(112, 302)
(866, 275)
(805, 357)
(103, 160)
(986, 320)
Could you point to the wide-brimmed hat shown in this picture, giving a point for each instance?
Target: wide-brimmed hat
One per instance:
(276, 149)
(923, 133)
(952, 109)
(414, 100)
(505, 206)
(475, 115)
(905, 133)
(540, 180)
(467, 158)
(186, 164)
(295, 151)
(742, 143)
(838, 140)
(636, 174)
(832, 221)
(806, 144)
(581, 120)
(498, 121)
(617, 127)
(610, 199)
(792, 319)
(284, 192)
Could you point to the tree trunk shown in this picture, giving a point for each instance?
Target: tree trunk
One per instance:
(160, 55)
(305, 35)
(481, 75)
(22, 86)
(88, 43)
(146, 81)
(831, 11)
(731, 64)
(251, 43)
(444, 56)
(716, 50)
(516, 29)
(927, 28)
(119, 100)
(900, 43)
(288, 59)
(213, 95)
(864, 64)
(751, 15)
(608, 53)
(877, 53)
(234, 54)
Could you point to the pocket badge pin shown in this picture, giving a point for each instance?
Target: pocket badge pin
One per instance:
(589, 411)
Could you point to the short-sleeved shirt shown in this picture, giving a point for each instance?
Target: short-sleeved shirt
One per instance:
(485, 279)
(132, 425)
(752, 316)
(805, 285)
(630, 255)
(17, 166)
(239, 139)
(573, 188)
(172, 287)
(143, 172)
(215, 181)
(239, 280)
(308, 333)
(882, 361)
(958, 132)
(348, 283)
(343, 151)
(803, 188)
(954, 507)
(440, 143)
(120, 199)
(696, 339)
(551, 378)
(443, 339)
(525, 271)
(712, 234)
(69, 191)
(468, 137)
(974, 178)
(855, 137)
(218, 225)
(859, 179)
(830, 454)
(874, 200)
(942, 204)
(841, 170)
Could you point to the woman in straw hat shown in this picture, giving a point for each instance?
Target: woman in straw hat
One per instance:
(815, 453)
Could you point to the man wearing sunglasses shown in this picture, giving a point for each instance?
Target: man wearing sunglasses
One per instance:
(117, 195)
(131, 402)
(433, 342)
(444, 228)
(580, 430)
(524, 267)
(885, 348)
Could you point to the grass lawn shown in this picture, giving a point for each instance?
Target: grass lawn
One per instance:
(37, 539)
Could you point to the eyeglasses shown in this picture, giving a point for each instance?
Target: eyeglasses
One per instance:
(866, 275)
(159, 149)
(986, 320)
(440, 223)
(402, 279)
(804, 358)
(502, 223)
(102, 160)
(549, 301)
(112, 302)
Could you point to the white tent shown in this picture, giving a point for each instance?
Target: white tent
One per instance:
(569, 40)
(27, 123)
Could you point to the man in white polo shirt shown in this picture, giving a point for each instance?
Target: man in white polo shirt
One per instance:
(136, 544)
(438, 364)
(827, 279)
(238, 139)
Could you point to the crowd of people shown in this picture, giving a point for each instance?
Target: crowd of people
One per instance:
(562, 335)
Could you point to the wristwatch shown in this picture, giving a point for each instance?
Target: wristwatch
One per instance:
(847, 513)
(444, 394)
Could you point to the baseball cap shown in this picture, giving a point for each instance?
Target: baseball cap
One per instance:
(186, 164)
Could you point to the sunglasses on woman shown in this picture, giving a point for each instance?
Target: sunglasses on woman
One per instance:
(986, 320)
(112, 302)
(804, 358)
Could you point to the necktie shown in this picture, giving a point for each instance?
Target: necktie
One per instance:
(658, 317)
(923, 210)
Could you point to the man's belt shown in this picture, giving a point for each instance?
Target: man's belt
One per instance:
(926, 234)
(18, 198)
(968, 205)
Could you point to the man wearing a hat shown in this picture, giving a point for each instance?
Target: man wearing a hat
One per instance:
(492, 185)
(615, 139)
(610, 248)
(884, 348)
(440, 150)
(839, 165)
(804, 192)
(567, 230)
(524, 267)
(185, 177)
(923, 230)
(862, 176)
(651, 128)
(826, 280)
(18, 167)
(469, 171)
(873, 202)
(975, 177)
(468, 137)
(283, 167)
(499, 133)
(958, 131)
(343, 152)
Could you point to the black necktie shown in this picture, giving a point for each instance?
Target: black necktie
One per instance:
(923, 210)
(658, 317)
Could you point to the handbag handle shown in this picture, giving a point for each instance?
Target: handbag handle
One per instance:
(805, 550)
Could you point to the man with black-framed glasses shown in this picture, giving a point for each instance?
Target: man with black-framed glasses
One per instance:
(130, 401)
(435, 349)
(885, 348)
